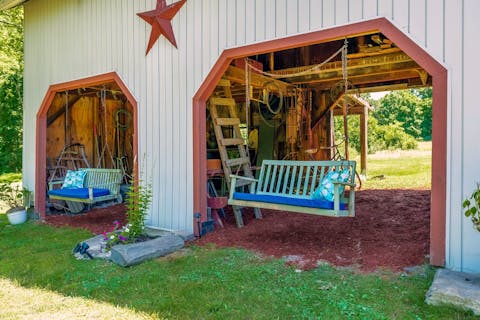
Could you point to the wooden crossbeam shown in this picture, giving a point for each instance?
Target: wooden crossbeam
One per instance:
(62, 110)
(237, 75)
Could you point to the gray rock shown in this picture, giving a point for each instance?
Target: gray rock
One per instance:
(153, 232)
(457, 289)
(96, 249)
(131, 254)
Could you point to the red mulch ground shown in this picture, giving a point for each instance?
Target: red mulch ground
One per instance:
(390, 230)
(97, 220)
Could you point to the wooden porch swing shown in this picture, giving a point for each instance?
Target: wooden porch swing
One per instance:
(313, 187)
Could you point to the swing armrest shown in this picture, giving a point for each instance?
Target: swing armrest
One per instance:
(345, 183)
(53, 183)
(233, 183)
(234, 176)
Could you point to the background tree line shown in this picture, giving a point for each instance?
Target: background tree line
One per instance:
(399, 120)
(11, 89)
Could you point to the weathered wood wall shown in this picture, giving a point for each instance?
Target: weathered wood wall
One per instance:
(82, 117)
(68, 40)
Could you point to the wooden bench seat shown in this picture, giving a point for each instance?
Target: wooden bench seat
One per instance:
(289, 186)
(99, 185)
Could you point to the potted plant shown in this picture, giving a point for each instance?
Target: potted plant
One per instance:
(471, 205)
(18, 199)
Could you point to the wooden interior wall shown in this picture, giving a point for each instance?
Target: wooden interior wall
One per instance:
(55, 131)
(87, 126)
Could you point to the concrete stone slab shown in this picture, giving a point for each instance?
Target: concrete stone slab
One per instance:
(185, 235)
(131, 254)
(457, 289)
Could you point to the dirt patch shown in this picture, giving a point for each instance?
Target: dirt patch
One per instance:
(390, 230)
(97, 220)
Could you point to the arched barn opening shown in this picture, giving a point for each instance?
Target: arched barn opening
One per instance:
(86, 126)
(294, 89)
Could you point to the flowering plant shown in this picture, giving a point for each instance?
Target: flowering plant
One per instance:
(137, 202)
(117, 235)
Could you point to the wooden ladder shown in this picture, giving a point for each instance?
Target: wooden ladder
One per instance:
(237, 164)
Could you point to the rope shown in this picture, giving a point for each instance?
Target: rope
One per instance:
(266, 121)
(345, 96)
(106, 147)
(345, 69)
(314, 68)
(127, 121)
(247, 104)
(67, 116)
(266, 98)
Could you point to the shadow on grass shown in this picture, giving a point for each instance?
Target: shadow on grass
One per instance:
(210, 283)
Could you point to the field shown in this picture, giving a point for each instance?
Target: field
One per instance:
(400, 169)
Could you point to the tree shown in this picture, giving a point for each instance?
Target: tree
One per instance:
(11, 116)
(412, 109)
(11, 40)
(11, 89)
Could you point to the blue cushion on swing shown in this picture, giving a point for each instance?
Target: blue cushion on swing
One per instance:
(310, 203)
(78, 193)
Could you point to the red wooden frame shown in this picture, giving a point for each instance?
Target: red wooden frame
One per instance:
(41, 137)
(439, 108)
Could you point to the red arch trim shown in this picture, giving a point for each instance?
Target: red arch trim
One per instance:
(439, 125)
(41, 137)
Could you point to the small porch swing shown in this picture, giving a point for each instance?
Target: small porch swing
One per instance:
(313, 187)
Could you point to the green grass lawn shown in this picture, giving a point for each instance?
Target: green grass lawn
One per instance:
(38, 270)
(10, 177)
(198, 284)
(400, 169)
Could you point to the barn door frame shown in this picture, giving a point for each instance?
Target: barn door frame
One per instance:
(415, 51)
(41, 130)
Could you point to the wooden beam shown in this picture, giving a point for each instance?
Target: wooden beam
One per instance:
(374, 79)
(62, 110)
(359, 73)
(327, 110)
(363, 141)
(356, 109)
(237, 75)
(395, 57)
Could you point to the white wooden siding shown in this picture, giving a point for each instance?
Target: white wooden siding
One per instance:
(68, 40)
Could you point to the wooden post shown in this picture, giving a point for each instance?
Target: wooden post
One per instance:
(363, 140)
(271, 61)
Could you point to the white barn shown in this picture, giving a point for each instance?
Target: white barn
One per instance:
(86, 42)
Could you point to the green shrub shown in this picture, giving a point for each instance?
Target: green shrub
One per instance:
(394, 137)
(380, 137)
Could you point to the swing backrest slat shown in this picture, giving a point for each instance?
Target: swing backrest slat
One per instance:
(298, 179)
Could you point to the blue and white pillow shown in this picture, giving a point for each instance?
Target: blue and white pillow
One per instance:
(74, 179)
(325, 190)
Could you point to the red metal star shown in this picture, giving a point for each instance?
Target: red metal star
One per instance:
(160, 20)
